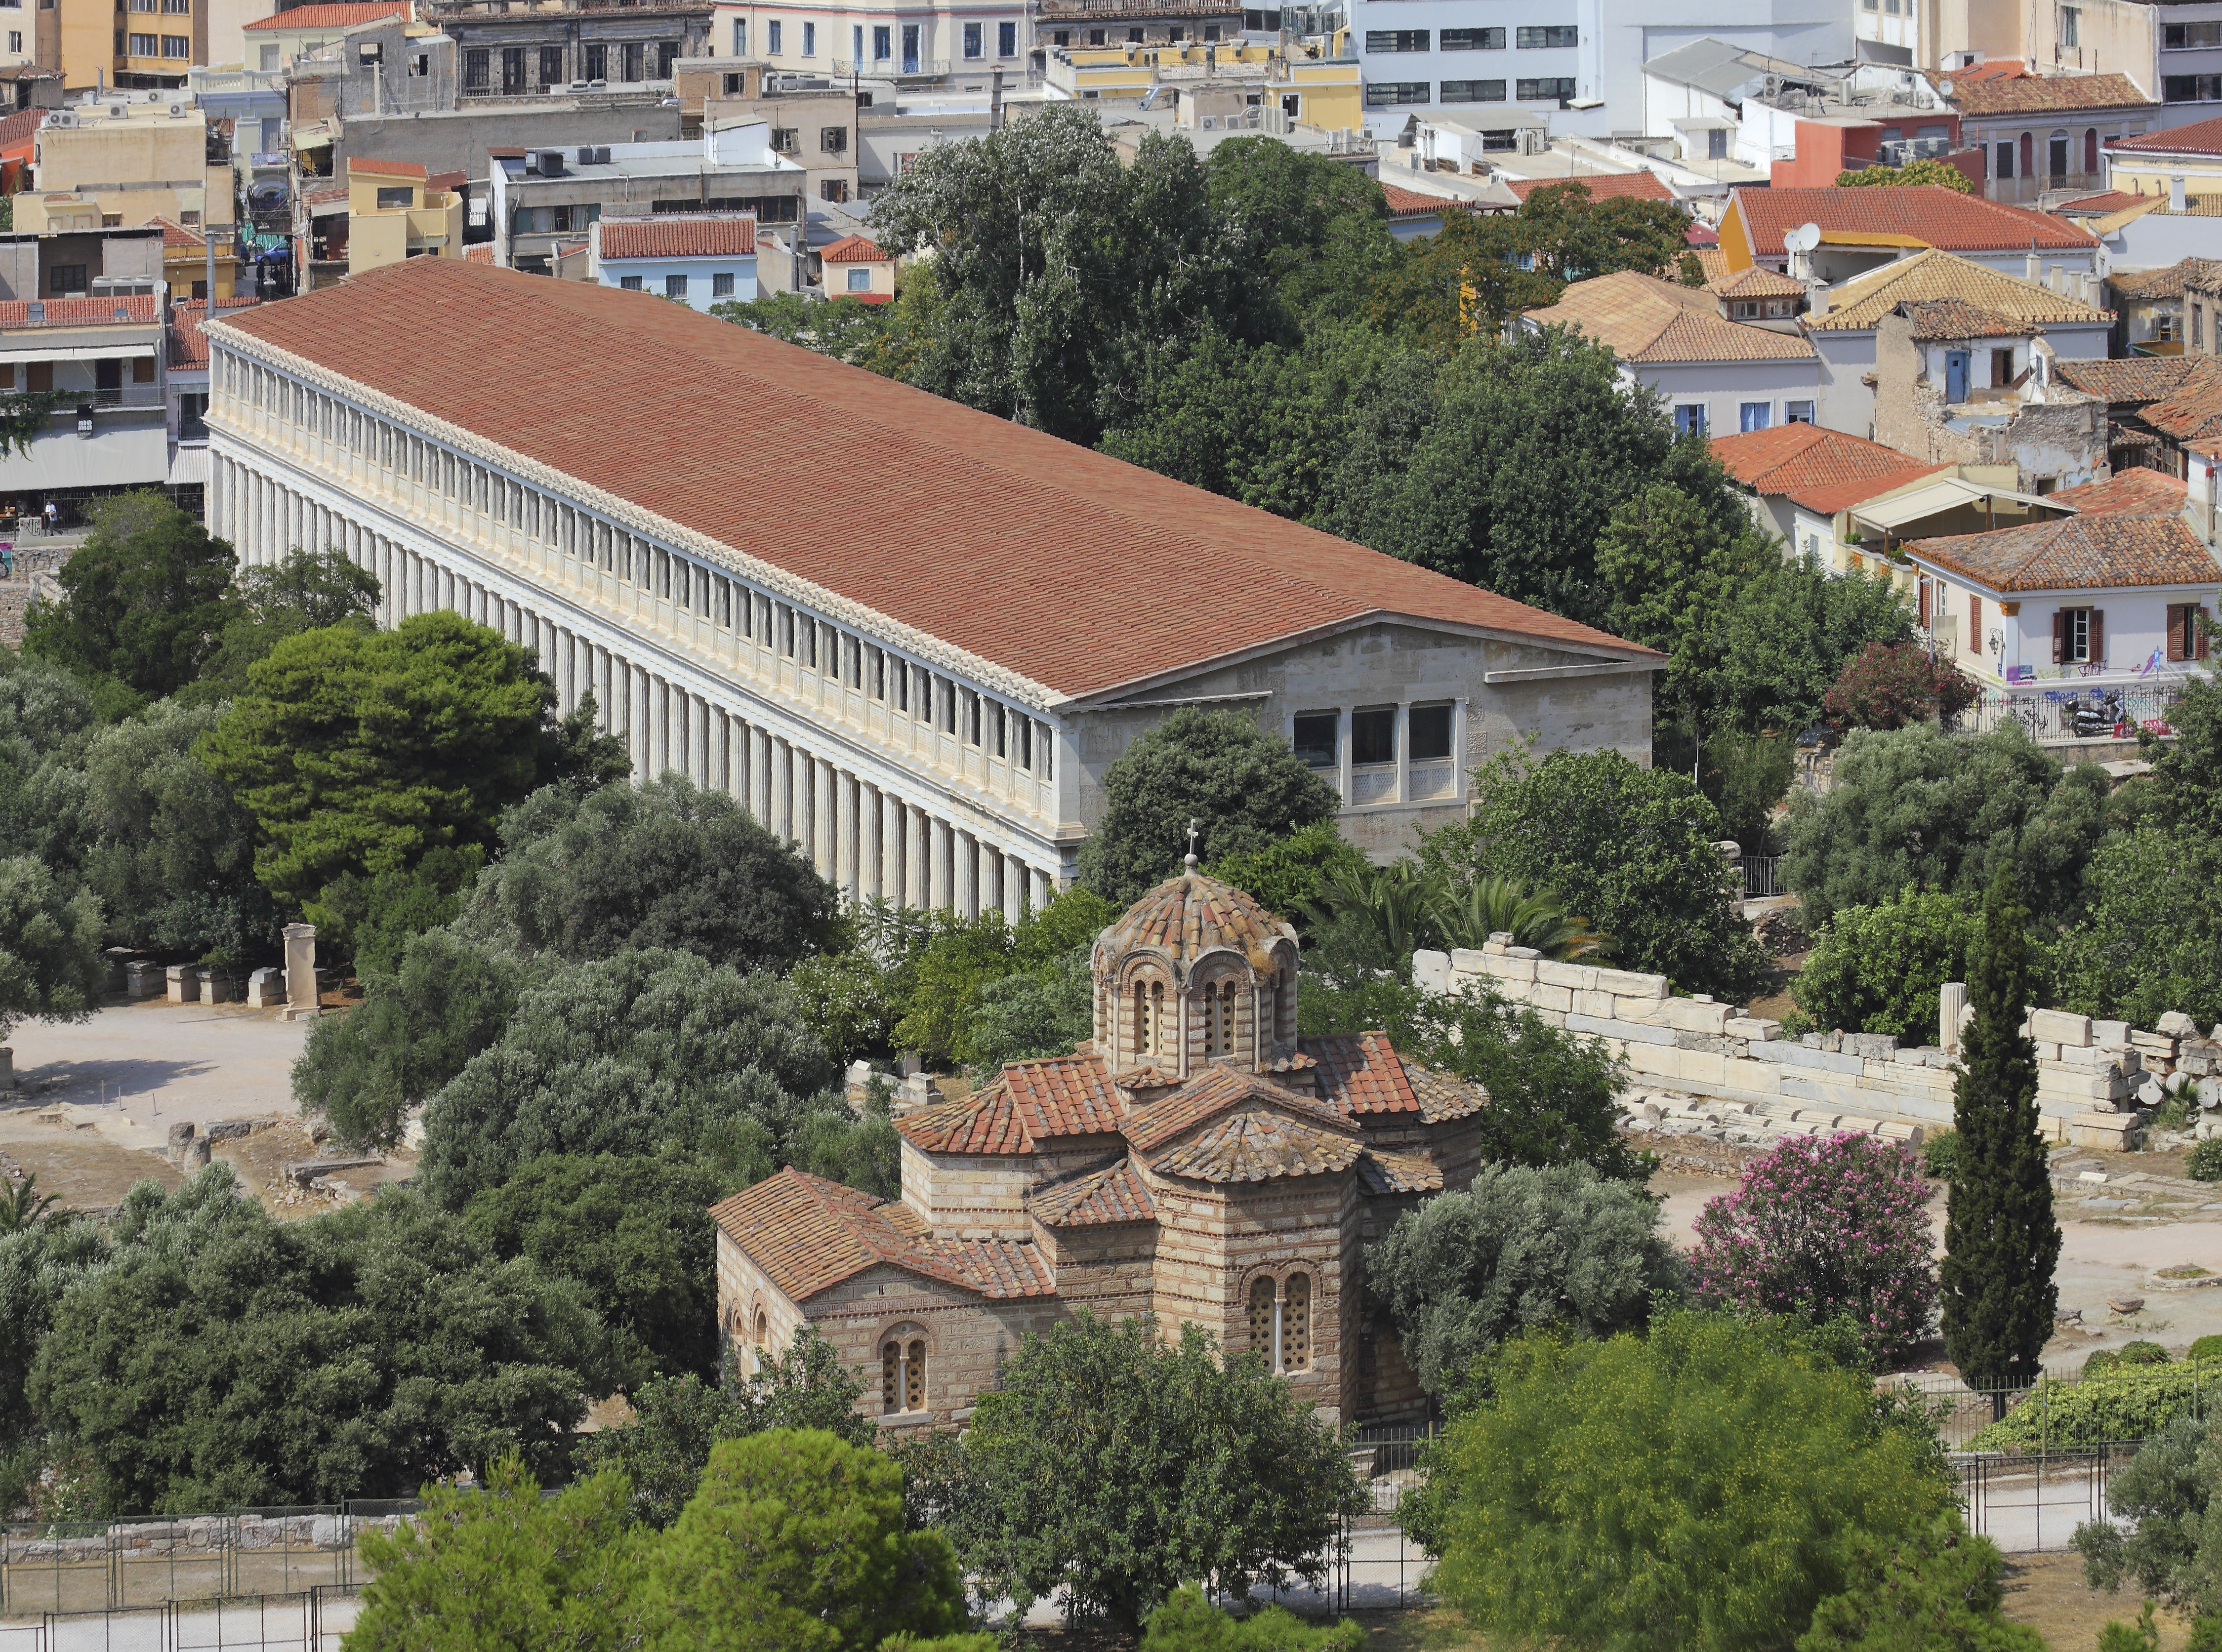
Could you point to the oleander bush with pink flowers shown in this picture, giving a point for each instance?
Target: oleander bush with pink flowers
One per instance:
(1826, 1227)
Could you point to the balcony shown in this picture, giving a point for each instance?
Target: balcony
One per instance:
(1899, 151)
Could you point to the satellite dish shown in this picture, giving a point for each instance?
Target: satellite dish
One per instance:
(1804, 239)
(1944, 86)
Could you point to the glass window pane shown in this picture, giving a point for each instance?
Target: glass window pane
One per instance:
(1373, 736)
(1314, 738)
(1431, 732)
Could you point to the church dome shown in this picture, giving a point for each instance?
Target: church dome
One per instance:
(1190, 915)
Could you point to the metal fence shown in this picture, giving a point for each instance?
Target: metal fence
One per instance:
(1762, 876)
(312, 1620)
(2032, 1503)
(151, 1560)
(2068, 711)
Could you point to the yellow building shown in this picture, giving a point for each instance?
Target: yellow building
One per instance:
(185, 262)
(122, 162)
(132, 44)
(1324, 92)
(393, 213)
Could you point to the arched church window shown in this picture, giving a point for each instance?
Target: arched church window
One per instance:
(1296, 1324)
(1151, 1034)
(1261, 1322)
(1219, 1019)
(763, 1339)
(902, 1375)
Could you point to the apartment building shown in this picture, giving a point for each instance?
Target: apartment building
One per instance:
(132, 45)
(932, 726)
(846, 39)
(99, 360)
(695, 259)
(2039, 133)
(269, 45)
(123, 160)
(546, 199)
(576, 45)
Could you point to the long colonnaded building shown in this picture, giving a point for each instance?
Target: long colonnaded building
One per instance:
(908, 635)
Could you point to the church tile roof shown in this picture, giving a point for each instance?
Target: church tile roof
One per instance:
(1189, 915)
(1029, 1102)
(809, 1234)
(987, 1121)
(1381, 1172)
(1097, 1199)
(1444, 1095)
(1361, 1073)
(1214, 1091)
(1260, 1146)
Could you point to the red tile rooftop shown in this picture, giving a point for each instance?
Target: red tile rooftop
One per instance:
(1065, 581)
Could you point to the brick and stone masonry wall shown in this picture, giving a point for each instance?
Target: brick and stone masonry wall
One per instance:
(2093, 1076)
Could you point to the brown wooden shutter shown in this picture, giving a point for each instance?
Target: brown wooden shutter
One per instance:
(1975, 625)
(2097, 648)
(2177, 628)
(2059, 636)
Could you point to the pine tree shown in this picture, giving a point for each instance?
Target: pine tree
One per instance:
(2001, 1238)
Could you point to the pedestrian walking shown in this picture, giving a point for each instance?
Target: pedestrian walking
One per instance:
(54, 517)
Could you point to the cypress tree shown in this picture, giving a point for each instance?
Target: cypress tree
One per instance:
(2001, 1238)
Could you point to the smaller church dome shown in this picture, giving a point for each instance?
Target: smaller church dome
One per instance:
(1190, 915)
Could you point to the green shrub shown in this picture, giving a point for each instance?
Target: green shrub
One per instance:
(1940, 1154)
(1877, 969)
(1189, 1622)
(2120, 1402)
(2205, 1164)
(2143, 1353)
(2206, 1348)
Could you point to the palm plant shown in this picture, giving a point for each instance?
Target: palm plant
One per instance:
(1467, 915)
(23, 1205)
(1388, 904)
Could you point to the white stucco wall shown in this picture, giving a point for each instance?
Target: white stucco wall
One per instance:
(653, 274)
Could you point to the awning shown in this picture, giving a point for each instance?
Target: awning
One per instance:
(1934, 498)
(311, 138)
(13, 353)
(189, 466)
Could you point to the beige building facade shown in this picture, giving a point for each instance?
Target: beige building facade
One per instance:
(122, 162)
(1196, 1160)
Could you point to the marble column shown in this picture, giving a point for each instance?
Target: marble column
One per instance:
(825, 820)
(706, 775)
(760, 776)
(1015, 887)
(780, 813)
(659, 727)
(845, 834)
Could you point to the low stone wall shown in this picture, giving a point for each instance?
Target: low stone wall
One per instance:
(2093, 1076)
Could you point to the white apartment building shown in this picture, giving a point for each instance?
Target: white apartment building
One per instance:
(911, 636)
(1581, 60)
(832, 37)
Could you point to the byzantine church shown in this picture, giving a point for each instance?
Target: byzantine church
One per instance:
(1195, 1159)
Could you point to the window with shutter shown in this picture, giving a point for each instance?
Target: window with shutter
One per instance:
(2094, 642)
(2178, 630)
(1975, 625)
(2059, 636)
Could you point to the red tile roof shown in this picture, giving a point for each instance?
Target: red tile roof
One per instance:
(176, 235)
(1025, 586)
(680, 235)
(1929, 213)
(2088, 553)
(1028, 1103)
(1260, 1146)
(1756, 281)
(1361, 1073)
(1095, 1200)
(1827, 471)
(1190, 914)
(852, 249)
(345, 15)
(1998, 69)
(1218, 1090)
(1380, 1172)
(15, 313)
(2131, 379)
(1640, 318)
(188, 345)
(2140, 491)
(808, 1234)
(1602, 186)
(1953, 319)
(2028, 94)
(2098, 205)
(481, 253)
(20, 128)
(2200, 138)
(2193, 409)
(411, 169)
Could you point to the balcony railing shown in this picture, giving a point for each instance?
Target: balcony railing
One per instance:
(236, 80)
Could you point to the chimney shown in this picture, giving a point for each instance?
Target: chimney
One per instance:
(2031, 270)
(996, 99)
(2175, 203)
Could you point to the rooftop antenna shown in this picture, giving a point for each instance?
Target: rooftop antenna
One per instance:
(1188, 860)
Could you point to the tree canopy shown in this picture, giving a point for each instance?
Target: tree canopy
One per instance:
(146, 600)
(359, 752)
(1241, 786)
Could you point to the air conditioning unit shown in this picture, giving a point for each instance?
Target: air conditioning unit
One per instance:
(578, 86)
(60, 119)
(177, 111)
(598, 86)
(118, 112)
(551, 162)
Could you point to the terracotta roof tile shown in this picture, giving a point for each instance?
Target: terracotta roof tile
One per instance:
(1444, 1095)
(1260, 1146)
(1220, 1090)
(1020, 586)
(2028, 94)
(1942, 217)
(850, 249)
(2088, 553)
(1362, 1073)
(188, 344)
(176, 235)
(808, 1234)
(2132, 378)
(680, 235)
(2166, 282)
(1935, 319)
(1189, 915)
(1603, 186)
(1097, 1199)
(2193, 408)
(1643, 318)
(15, 313)
(1861, 302)
(482, 252)
(983, 1121)
(1826, 470)
(2097, 205)
(1380, 1172)
(20, 128)
(2200, 138)
(1755, 281)
(410, 169)
(2141, 492)
(343, 16)
(1027, 1104)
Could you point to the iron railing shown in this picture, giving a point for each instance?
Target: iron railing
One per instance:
(1762, 876)
(2068, 710)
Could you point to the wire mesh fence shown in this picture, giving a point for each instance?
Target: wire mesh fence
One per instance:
(149, 1561)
